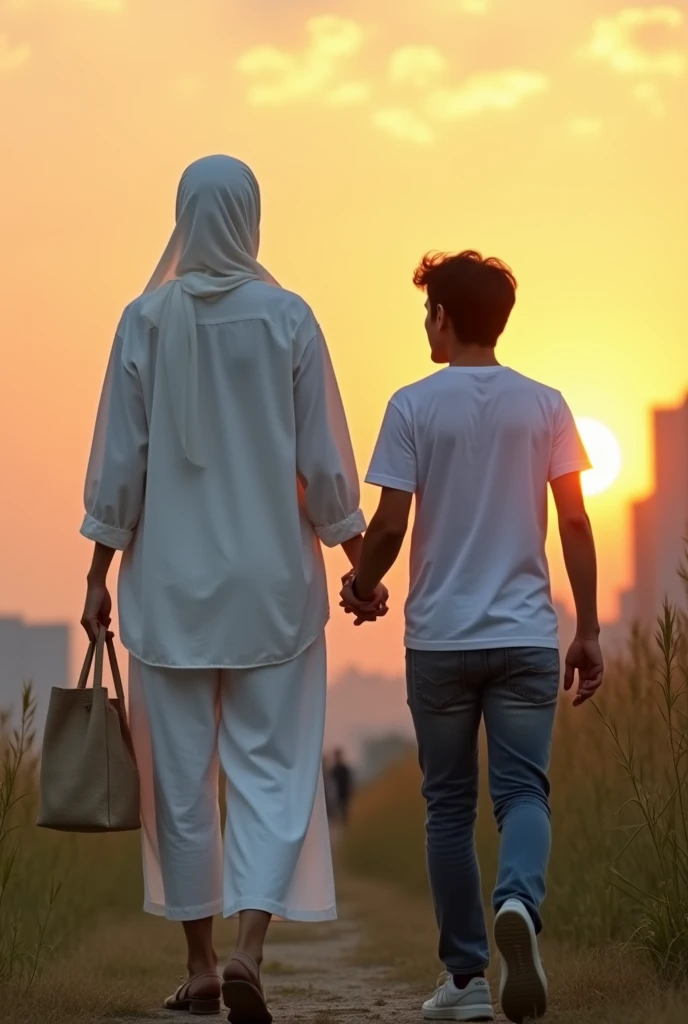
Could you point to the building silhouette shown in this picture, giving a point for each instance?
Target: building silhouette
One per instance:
(35, 653)
(659, 523)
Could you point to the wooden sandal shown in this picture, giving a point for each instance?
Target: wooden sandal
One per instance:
(243, 993)
(200, 1005)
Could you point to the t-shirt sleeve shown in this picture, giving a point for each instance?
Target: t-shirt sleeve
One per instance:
(394, 459)
(568, 452)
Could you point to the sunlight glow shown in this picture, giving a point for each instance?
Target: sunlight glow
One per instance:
(604, 452)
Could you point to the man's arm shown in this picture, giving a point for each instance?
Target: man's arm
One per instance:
(580, 559)
(382, 542)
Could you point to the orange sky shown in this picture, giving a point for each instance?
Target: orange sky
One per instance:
(549, 134)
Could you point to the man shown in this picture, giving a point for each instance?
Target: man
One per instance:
(478, 445)
(342, 785)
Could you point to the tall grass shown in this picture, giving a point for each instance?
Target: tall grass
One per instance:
(22, 942)
(659, 788)
(53, 886)
(619, 867)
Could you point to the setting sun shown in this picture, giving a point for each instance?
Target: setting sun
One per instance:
(605, 454)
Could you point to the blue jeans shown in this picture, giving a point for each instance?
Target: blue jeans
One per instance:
(449, 692)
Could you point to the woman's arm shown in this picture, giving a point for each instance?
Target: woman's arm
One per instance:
(115, 480)
(324, 454)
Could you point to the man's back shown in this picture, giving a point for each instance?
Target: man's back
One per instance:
(478, 446)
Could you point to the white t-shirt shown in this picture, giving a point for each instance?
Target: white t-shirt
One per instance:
(222, 567)
(478, 446)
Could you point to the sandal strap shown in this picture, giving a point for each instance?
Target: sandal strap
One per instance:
(247, 961)
(249, 965)
(205, 974)
(183, 990)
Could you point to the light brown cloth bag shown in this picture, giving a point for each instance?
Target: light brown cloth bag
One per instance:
(89, 781)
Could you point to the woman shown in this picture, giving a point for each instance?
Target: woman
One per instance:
(221, 458)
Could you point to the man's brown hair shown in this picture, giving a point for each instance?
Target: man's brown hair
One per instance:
(477, 294)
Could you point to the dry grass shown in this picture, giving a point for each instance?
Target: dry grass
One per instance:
(595, 813)
(616, 914)
(587, 987)
(102, 959)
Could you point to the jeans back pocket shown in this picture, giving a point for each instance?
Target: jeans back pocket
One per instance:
(436, 678)
(533, 673)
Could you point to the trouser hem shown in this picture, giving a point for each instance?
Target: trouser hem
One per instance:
(468, 970)
(281, 911)
(183, 913)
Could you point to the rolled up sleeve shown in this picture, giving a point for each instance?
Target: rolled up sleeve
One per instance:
(324, 455)
(116, 474)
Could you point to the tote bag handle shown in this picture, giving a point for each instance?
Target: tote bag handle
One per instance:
(96, 648)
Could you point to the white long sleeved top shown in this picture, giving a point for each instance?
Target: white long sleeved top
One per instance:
(222, 565)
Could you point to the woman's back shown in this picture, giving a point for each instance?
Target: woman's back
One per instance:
(223, 567)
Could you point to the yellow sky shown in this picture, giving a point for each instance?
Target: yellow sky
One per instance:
(551, 135)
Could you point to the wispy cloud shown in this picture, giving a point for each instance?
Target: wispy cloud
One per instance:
(417, 65)
(639, 41)
(12, 56)
(403, 123)
(348, 94)
(492, 91)
(279, 77)
(586, 127)
(473, 6)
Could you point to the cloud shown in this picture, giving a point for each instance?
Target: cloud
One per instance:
(636, 41)
(404, 124)
(348, 94)
(585, 127)
(417, 65)
(492, 91)
(473, 6)
(12, 57)
(279, 77)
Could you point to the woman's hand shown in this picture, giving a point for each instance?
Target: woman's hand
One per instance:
(364, 611)
(97, 609)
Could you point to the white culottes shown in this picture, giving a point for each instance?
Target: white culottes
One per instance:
(264, 727)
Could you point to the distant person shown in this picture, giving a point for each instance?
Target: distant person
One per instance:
(221, 460)
(342, 786)
(330, 799)
(478, 444)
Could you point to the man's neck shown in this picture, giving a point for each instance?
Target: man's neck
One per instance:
(473, 355)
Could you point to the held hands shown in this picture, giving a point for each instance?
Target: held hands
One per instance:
(585, 657)
(364, 611)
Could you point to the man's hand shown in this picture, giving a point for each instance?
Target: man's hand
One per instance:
(373, 608)
(585, 657)
(97, 610)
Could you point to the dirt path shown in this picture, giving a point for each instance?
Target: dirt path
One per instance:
(327, 974)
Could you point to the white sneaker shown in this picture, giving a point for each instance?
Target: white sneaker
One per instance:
(523, 988)
(451, 1003)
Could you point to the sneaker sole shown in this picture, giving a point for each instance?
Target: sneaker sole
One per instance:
(461, 1013)
(524, 996)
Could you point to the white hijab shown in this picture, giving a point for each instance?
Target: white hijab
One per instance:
(213, 249)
